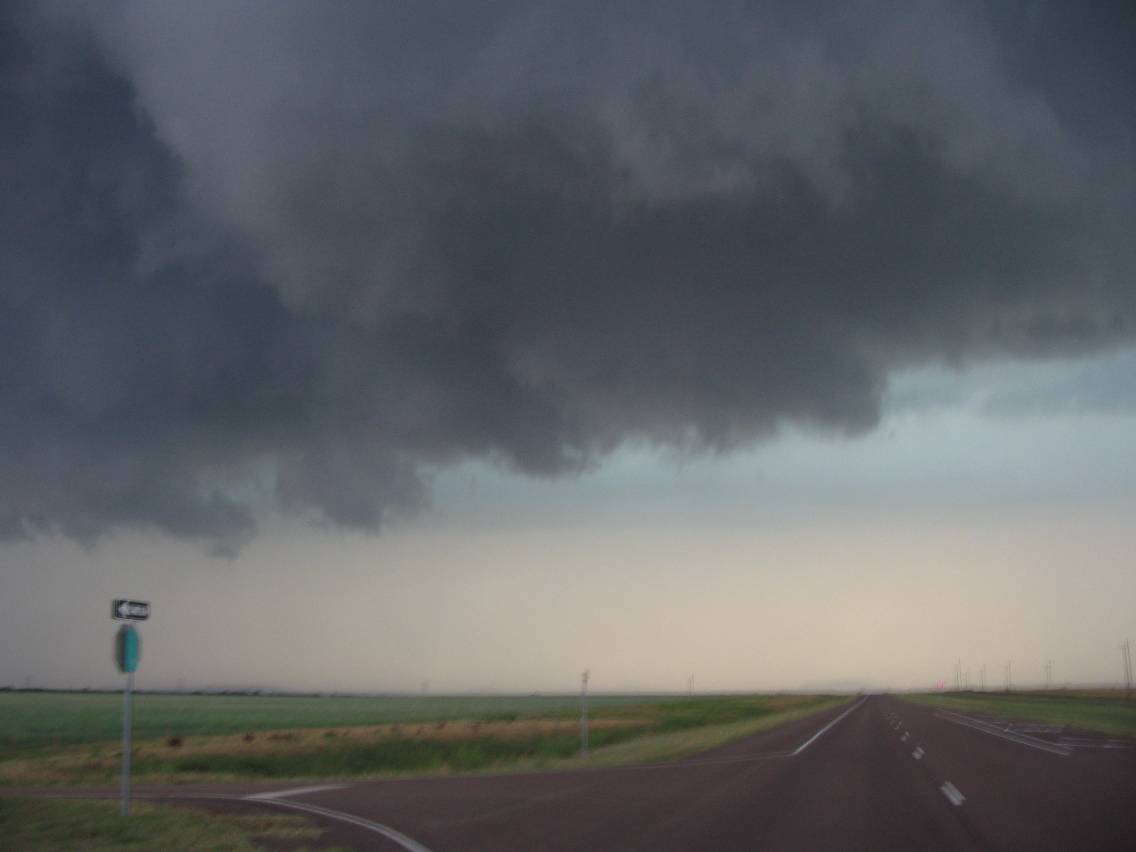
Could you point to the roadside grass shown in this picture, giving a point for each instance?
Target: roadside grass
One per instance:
(1104, 715)
(621, 732)
(682, 742)
(56, 825)
(34, 720)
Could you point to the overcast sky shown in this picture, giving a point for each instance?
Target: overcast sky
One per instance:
(785, 345)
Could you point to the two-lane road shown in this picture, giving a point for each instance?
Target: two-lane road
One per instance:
(877, 774)
(881, 775)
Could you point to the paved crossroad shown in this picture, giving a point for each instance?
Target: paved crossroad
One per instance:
(878, 774)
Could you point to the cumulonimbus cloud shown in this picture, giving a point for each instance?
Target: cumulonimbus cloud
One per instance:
(272, 253)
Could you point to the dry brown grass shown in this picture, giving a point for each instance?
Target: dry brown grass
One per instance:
(66, 765)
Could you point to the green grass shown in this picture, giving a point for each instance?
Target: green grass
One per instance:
(627, 729)
(36, 719)
(56, 825)
(388, 755)
(678, 742)
(1105, 715)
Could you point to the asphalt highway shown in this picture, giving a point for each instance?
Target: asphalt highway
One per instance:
(877, 774)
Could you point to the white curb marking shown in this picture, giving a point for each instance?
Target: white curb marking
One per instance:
(295, 791)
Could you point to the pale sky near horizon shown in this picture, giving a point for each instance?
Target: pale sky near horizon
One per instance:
(955, 530)
(782, 345)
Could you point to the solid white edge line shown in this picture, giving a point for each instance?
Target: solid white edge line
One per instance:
(295, 791)
(408, 843)
(817, 735)
(986, 728)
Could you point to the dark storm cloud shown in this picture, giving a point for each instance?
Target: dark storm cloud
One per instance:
(283, 253)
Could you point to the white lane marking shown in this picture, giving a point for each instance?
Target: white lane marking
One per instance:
(906, 736)
(918, 753)
(952, 793)
(295, 791)
(817, 735)
(1080, 742)
(1020, 739)
(408, 843)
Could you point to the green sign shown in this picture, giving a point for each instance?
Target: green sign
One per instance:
(127, 648)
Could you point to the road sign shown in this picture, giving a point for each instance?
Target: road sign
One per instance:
(127, 649)
(124, 610)
(127, 652)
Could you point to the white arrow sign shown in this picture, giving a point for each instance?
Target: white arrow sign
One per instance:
(125, 610)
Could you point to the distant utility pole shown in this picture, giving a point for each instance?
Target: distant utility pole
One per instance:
(690, 686)
(1126, 652)
(966, 680)
(1009, 675)
(1048, 674)
(958, 675)
(982, 678)
(584, 713)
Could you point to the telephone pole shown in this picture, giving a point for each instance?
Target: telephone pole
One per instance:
(1009, 675)
(584, 713)
(1048, 674)
(982, 678)
(1126, 653)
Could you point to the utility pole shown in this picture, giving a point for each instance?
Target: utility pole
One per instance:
(690, 686)
(1009, 675)
(1048, 674)
(584, 713)
(958, 675)
(1126, 653)
(982, 678)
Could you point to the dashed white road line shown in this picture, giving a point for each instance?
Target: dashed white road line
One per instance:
(952, 793)
(918, 753)
(906, 736)
(817, 735)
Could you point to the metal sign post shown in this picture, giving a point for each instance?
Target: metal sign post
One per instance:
(127, 651)
(127, 700)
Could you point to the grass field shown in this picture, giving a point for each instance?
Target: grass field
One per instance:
(35, 719)
(1108, 714)
(190, 738)
(54, 825)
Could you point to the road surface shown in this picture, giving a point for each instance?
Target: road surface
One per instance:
(878, 774)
